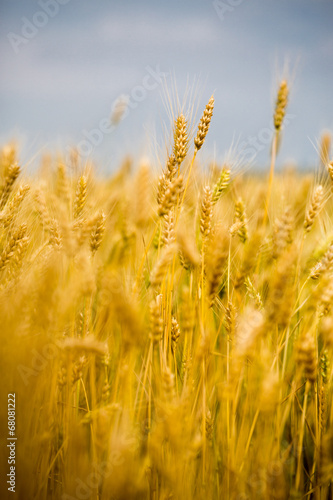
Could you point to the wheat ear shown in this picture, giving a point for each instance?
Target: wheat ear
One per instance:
(80, 196)
(204, 124)
(180, 139)
(314, 207)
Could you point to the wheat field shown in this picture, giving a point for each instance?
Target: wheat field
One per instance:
(167, 331)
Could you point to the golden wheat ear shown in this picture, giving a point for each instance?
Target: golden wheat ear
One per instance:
(281, 105)
(168, 234)
(221, 184)
(80, 196)
(12, 174)
(204, 124)
(13, 206)
(206, 212)
(160, 269)
(279, 113)
(175, 334)
(181, 139)
(306, 357)
(314, 207)
(168, 195)
(156, 321)
(13, 246)
(241, 220)
(97, 233)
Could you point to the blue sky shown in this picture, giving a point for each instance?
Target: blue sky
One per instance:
(61, 73)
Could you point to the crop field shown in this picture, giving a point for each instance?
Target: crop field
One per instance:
(167, 331)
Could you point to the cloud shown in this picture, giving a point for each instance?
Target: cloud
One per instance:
(67, 76)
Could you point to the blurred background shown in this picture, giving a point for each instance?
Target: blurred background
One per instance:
(66, 65)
